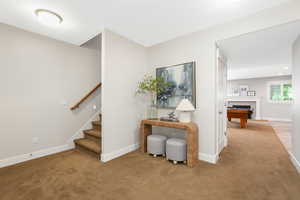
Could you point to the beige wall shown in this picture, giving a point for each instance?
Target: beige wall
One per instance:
(124, 65)
(200, 47)
(40, 79)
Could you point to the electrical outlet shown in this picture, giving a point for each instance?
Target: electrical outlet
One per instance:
(95, 107)
(35, 140)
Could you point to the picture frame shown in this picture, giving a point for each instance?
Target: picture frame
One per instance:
(243, 90)
(236, 92)
(181, 84)
(251, 93)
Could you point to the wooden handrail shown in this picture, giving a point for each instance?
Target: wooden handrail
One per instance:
(85, 97)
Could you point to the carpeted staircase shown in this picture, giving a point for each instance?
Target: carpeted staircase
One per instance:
(92, 139)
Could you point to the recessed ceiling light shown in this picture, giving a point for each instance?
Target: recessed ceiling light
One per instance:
(48, 17)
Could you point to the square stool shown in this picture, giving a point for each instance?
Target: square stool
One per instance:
(156, 145)
(176, 150)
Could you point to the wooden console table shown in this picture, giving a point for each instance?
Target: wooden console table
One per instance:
(191, 136)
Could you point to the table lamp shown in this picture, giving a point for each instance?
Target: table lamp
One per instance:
(186, 108)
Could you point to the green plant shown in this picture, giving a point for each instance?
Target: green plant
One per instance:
(151, 85)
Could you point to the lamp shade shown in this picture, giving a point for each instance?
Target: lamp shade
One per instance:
(185, 105)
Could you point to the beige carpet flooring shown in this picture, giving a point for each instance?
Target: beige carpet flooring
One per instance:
(255, 166)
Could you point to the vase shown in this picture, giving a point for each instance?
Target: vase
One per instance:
(152, 112)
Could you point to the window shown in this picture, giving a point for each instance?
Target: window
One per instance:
(280, 92)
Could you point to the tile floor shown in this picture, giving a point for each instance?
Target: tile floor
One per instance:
(283, 131)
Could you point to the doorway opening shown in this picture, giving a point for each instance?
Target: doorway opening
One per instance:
(254, 82)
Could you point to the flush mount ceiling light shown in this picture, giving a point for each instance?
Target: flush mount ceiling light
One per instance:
(48, 17)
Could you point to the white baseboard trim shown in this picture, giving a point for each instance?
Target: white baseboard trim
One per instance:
(105, 157)
(30, 156)
(295, 162)
(222, 145)
(213, 159)
(45, 152)
(87, 125)
(276, 119)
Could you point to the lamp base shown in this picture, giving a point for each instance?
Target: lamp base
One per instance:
(185, 117)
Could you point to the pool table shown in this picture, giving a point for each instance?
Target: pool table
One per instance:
(241, 114)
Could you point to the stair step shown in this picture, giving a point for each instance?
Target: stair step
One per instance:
(96, 123)
(93, 132)
(89, 144)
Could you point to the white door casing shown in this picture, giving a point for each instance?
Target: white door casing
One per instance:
(221, 103)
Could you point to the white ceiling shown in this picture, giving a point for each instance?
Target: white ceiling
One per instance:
(145, 21)
(261, 54)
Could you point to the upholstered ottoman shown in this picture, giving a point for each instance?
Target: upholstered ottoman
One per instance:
(156, 145)
(176, 150)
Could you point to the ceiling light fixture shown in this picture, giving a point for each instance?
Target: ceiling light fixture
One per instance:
(48, 17)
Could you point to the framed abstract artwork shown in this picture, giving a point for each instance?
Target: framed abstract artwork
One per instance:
(181, 84)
